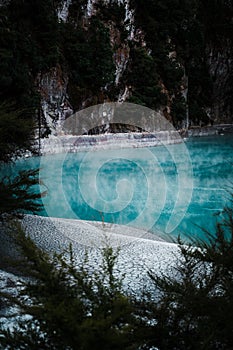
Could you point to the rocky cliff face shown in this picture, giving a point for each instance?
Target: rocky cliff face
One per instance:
(171, 57)
(56, 101)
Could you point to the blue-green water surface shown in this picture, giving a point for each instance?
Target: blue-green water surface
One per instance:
(141, 187)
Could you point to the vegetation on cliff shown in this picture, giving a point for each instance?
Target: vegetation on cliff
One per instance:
(175, 55)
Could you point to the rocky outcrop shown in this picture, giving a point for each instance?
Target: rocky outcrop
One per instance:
(53, 85)
(54, 99)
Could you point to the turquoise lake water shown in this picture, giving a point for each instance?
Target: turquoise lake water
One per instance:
(172, 190)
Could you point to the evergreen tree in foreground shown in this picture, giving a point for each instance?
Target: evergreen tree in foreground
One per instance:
(195, 307)
(17, 192)
(72, 307)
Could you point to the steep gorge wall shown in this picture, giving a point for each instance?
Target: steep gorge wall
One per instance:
(174, 59)
(174, 105)
(54, 85)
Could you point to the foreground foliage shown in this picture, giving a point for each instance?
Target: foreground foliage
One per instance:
(18, 194)
(73, 306)
(18, 190)
(196, 304)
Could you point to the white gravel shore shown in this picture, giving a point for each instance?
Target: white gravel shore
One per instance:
(139, 251)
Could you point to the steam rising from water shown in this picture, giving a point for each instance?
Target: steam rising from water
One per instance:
(123, 185)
